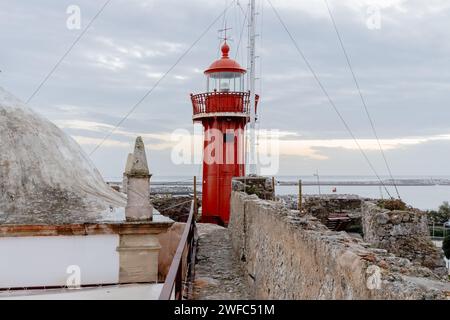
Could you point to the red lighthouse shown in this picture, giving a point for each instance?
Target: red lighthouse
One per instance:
(224, 110)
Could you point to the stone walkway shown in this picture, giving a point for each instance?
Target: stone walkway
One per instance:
(218, 276)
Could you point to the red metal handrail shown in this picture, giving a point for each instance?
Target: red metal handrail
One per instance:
(214, 102)
(183, 263)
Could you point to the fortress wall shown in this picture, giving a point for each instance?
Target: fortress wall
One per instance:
(404, 233)
(293, 257)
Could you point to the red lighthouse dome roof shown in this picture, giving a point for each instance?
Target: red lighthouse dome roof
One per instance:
(225, 64)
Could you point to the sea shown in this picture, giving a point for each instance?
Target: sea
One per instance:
(426, 197)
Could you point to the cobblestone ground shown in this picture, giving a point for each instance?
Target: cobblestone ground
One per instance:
(218, 276)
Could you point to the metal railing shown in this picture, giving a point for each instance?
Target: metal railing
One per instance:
(214, 102)
(438, 232)
(180, 276)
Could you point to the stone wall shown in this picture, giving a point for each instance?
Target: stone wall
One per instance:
(322, 206)
(334, 203)
(404, 233)
(260, 186)
(291, 257)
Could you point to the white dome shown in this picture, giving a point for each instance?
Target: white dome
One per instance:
(45, 177)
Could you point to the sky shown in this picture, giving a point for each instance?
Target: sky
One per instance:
(399, 50)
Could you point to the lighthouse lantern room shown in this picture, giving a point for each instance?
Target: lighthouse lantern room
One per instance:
(224, 111)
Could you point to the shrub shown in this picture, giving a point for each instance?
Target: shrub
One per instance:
(442, 215)
(444, 209)
(393, 204)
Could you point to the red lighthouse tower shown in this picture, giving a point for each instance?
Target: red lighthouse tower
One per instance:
(224, 110)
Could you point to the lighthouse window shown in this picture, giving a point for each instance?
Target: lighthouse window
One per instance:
(224, 85)
(225, 82)
(228, 138)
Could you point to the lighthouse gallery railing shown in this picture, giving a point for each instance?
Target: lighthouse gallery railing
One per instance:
(220, 102)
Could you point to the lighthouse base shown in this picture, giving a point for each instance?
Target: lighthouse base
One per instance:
(214, 219)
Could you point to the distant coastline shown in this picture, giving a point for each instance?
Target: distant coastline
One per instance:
(397, 182)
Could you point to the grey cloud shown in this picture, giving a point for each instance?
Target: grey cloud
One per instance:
(404, 71)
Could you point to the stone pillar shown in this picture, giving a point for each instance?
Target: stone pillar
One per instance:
(139, 249)
(138, 186)
(138, 258)
(127, 171)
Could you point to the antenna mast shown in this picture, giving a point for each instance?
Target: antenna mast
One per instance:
(252, 79)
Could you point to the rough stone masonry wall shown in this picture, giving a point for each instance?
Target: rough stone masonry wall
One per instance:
(404, 233)
(322, 206)
(260, 186)
(292, 257)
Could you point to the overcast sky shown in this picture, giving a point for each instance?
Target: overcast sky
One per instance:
(403, 68)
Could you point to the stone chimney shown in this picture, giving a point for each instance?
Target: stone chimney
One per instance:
(138, 186)
(127, 171)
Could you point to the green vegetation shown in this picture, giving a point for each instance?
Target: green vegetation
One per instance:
(446, 246)
(440, 216)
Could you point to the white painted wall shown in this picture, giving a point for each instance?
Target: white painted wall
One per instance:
(120, 292)
(43, 261)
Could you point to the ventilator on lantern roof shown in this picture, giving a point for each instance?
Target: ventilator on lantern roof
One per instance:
(225, 63)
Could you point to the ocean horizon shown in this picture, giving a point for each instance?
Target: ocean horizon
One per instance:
(424, 197)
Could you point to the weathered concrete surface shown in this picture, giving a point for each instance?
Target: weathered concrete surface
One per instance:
(169, 242)
(218, 276)
(138, 186)
(138, 258)
(45, 177)
(404, 233)
(293, 257)
(127, 171)
(159, 224)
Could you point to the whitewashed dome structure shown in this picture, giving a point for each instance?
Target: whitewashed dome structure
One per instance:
(45, 177)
